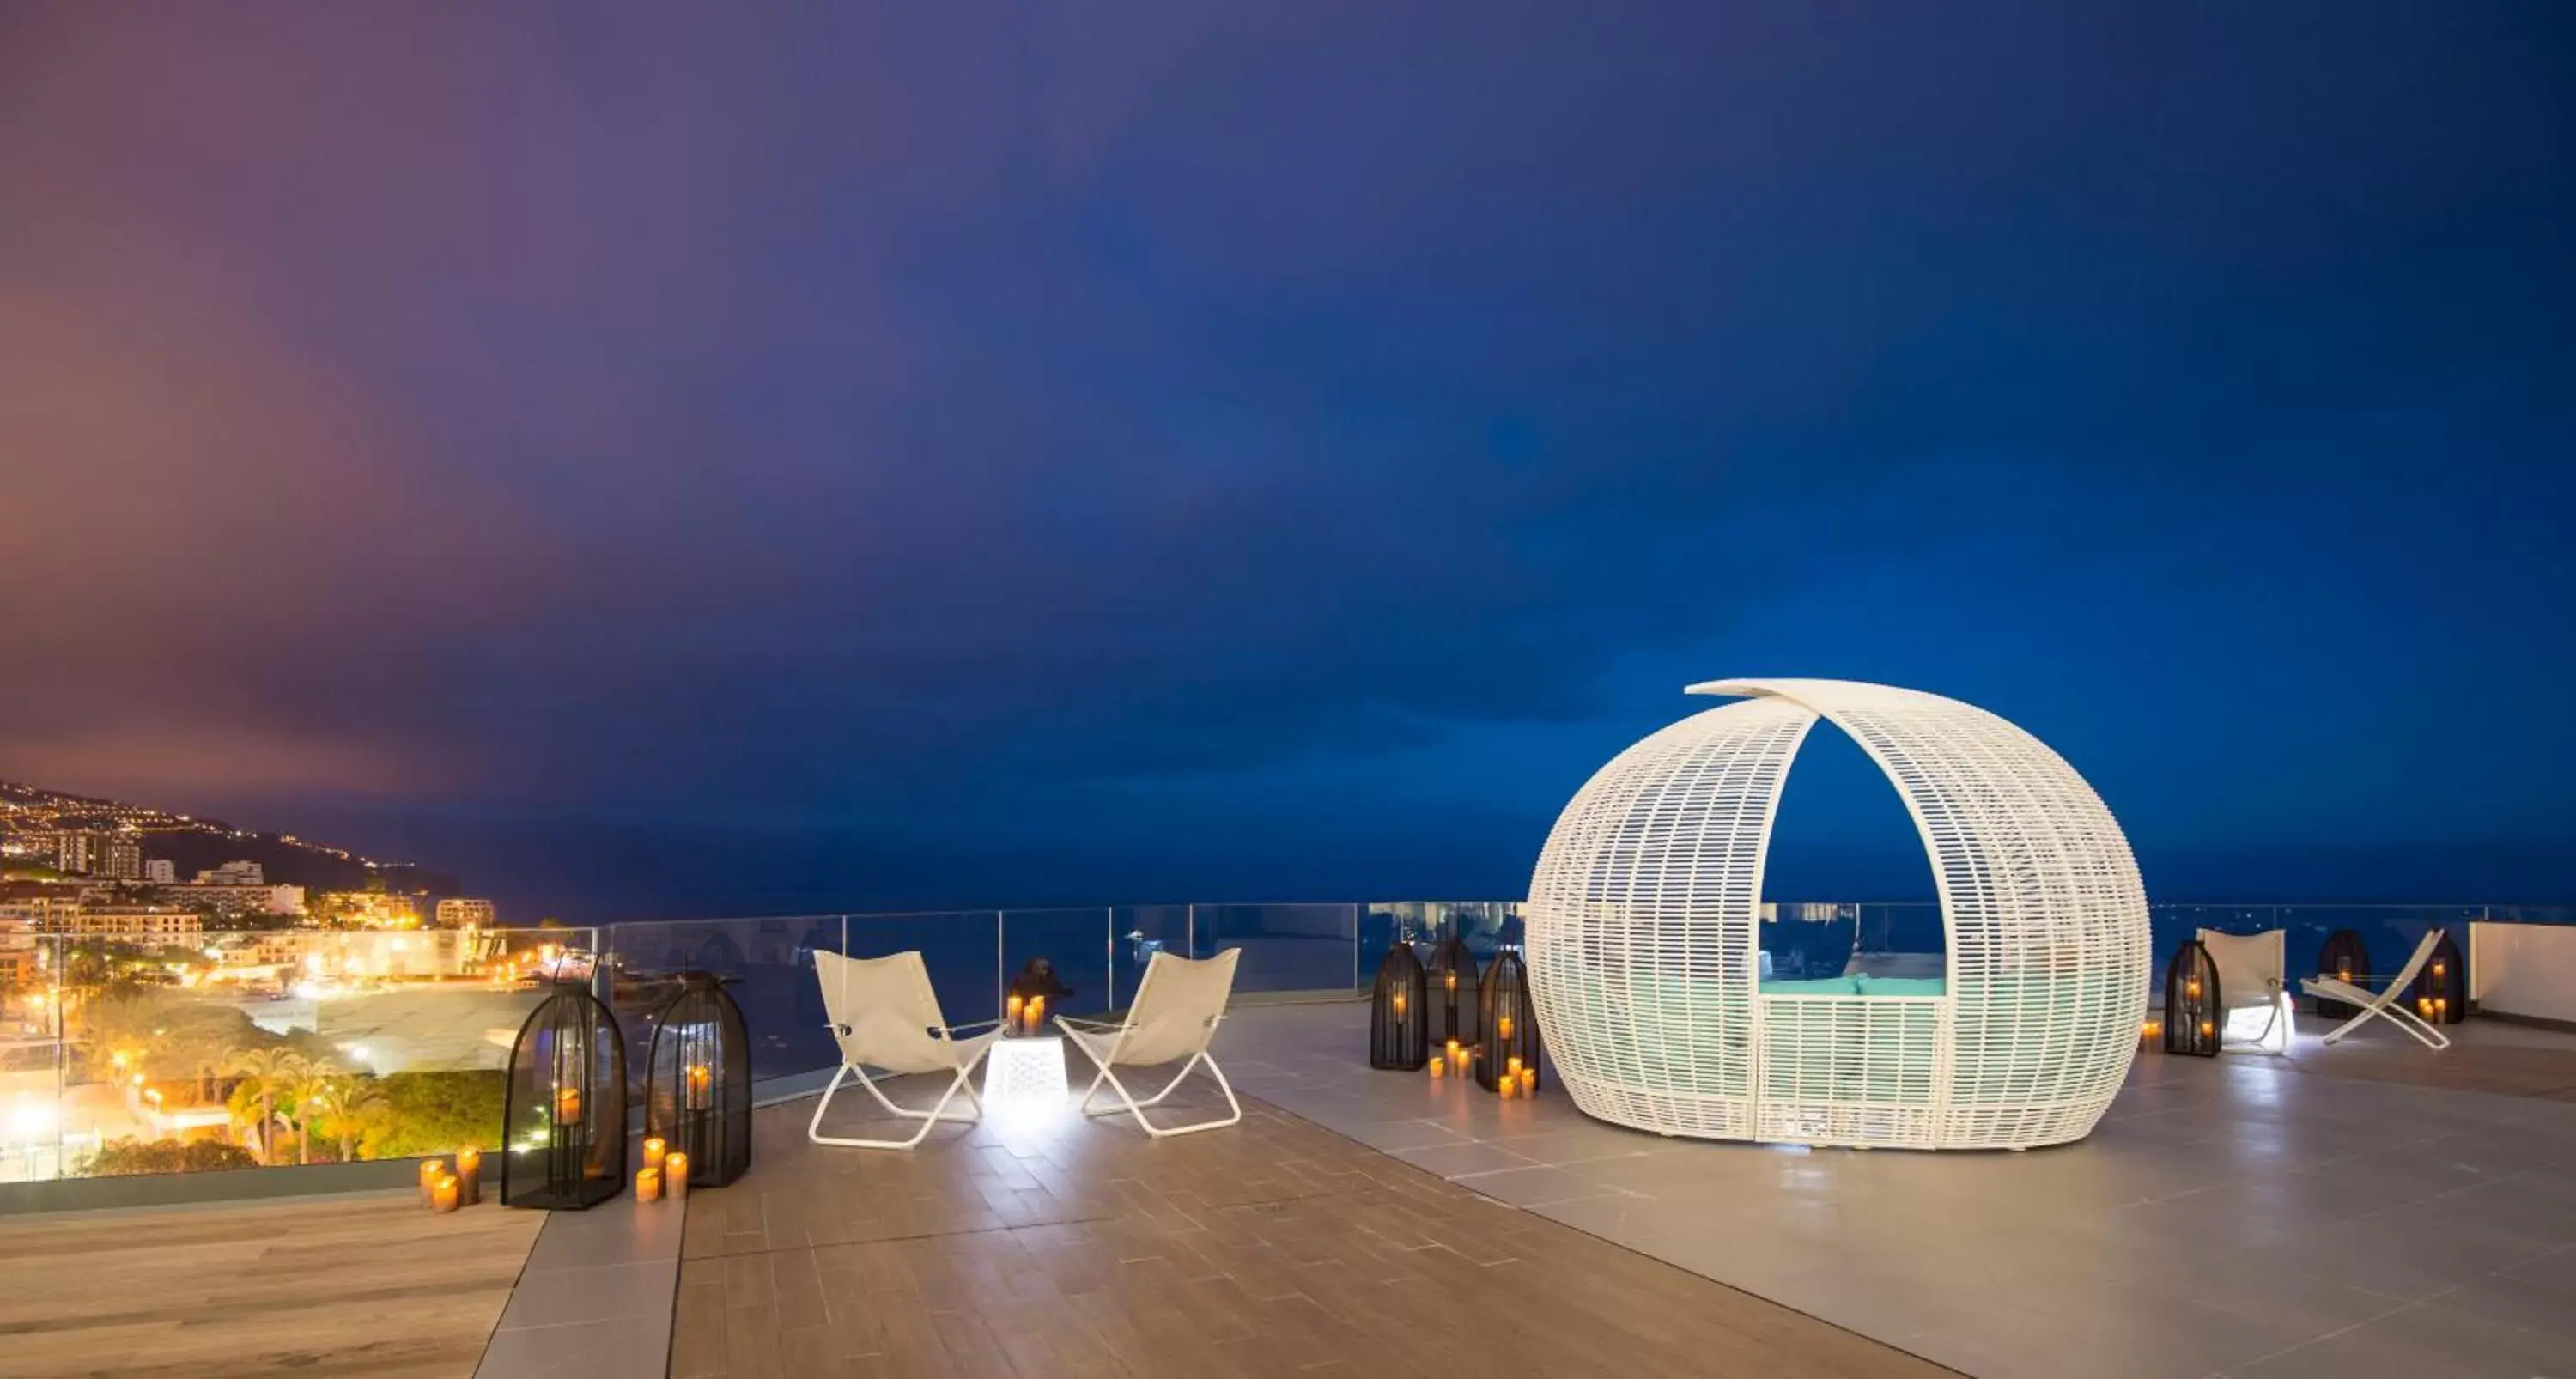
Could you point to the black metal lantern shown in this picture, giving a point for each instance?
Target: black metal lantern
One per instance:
(2346, 959)
(2441, 992)
(1399, 1014)
(564, 1107)
(697, 1081)
(1509, 1024)
(2192, 1013)
(1454, 993)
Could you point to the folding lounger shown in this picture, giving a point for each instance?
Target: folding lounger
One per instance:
(2388, 1004)
(1175, 1014)
(2253, 974)
(885, 1015)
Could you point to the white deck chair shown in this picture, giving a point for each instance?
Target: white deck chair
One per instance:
(885, 1015)
(1175, 1014)
(2388, 1004)
(2254, 974)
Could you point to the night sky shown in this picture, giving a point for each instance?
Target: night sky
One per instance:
(717, 460)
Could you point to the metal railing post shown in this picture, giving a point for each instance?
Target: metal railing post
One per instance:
(1001, 967)
(1109, 931)
(1190, 935)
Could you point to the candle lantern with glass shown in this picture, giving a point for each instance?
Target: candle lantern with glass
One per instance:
(2346, 959)
(1451, 984)
(2192, 1012)
(564, 1106)
(1028, 1000)
(1508, 1044)
(1399, 1014)
(2441, 994)
(697, 1082)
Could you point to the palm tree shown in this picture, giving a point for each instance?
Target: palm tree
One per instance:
(266, 1073)
(305, 1094)
(342, 1104)
(302, 1099)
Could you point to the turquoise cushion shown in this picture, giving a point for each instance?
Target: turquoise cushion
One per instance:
(1902, 986)
(1813, 986)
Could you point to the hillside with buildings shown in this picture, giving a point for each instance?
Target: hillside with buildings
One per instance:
(80, 865)
(82, 835)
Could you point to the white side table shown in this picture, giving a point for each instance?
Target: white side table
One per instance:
(1026, 1073)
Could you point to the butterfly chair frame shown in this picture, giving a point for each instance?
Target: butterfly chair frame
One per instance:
(2387, 1004)
(884, 1014)
(1177, 1009)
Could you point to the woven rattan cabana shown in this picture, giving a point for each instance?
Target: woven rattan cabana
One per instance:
(1643, 937)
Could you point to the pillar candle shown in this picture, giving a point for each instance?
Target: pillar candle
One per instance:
(431, 1170)
(1037, 1015)
(1399, 1005)
(1502, 1027)
(675, 1175)
(567, 1105)
(1529, 1081)
(443, 1196)
(1011, 1014)
(653, 1148)
(469, 1175)
(1512, 1067)
(1505, 1087)
(648, 1185)
(699, 1080)
(1438, 1066)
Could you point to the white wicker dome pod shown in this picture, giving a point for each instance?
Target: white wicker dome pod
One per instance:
(1643, 920)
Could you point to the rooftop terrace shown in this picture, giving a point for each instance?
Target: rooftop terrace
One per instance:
(2369, 1209)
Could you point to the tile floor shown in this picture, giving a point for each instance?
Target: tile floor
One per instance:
(595, 1298)
(2242, 1216)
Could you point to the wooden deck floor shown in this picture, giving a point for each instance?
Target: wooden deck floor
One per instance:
(340, 1286)
(1274, 1247)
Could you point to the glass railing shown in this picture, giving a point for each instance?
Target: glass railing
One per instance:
(2389, 933)
(185, 1049)
(148, 1053)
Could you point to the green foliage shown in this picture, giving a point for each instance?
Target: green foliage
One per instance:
(434, 1113)
(178, 1039)
(128, 1158)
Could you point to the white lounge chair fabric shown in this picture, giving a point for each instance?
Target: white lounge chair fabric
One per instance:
(1174, 1017)
(884, 1014)
(2386, 1004)
(2254, 974)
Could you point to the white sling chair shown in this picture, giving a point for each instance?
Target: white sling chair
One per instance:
(885, 1015)
(2388, 1004)
(1174, 1016)
(2254, 974)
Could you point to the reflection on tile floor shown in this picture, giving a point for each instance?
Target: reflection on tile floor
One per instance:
(2238, 1216)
